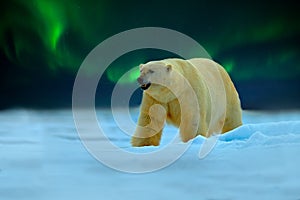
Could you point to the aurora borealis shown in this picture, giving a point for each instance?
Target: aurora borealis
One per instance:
(43, 43)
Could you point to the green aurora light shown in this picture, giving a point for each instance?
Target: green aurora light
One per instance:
(61, 33)
(52, 13)
(114, 74)
(228, 65)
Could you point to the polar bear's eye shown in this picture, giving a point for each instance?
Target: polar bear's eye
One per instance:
(151, 71)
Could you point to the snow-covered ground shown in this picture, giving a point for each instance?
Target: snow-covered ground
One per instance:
(41, 157)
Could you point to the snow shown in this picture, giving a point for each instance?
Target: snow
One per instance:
(42, 157)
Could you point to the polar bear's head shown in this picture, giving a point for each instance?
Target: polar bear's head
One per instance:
(153, 74)
(163, 80)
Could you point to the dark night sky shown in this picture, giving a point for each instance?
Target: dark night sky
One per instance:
(43, 43)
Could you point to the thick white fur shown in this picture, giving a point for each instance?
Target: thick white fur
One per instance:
(196, 95)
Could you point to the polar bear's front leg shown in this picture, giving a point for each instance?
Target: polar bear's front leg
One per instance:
(188, 128)
(150, 124)
(190, 117)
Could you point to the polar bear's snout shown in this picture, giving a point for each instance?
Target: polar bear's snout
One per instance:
(143, 84)
(140, 80)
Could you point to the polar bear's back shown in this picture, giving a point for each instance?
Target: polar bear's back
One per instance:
(214, 74)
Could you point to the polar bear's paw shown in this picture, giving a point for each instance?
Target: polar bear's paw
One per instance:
(150, 141)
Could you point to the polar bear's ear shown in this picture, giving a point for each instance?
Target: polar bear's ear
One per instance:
(141, 65)
(169, 67)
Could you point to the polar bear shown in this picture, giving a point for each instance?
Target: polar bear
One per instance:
(196, 95)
